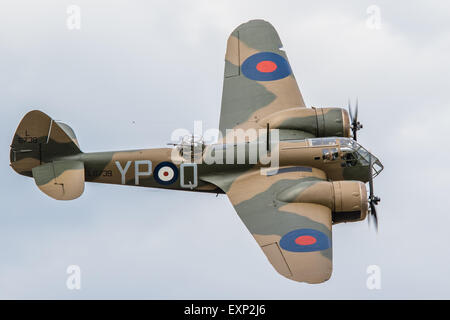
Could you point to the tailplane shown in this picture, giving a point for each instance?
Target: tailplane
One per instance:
(37, 149)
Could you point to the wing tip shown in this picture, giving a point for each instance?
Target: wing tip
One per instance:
(313, 278)
(253, 23)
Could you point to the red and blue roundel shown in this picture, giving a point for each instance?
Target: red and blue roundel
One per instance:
(266, 66)
(165, 173)
(305, 240)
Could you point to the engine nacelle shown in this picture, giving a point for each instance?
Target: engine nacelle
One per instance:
(346, 199)
(317, 122)
(350, 201)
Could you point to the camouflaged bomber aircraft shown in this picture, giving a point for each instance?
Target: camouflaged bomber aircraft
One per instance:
(290, 209)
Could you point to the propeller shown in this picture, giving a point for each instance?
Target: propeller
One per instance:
(373, 200)
(355, 124)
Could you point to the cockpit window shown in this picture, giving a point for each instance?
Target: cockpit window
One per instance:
(354, 154)
(348, 142)
(326, 155)
(330, 154)
(350, 159)
(322, 142)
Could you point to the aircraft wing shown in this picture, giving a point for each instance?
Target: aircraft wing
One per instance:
(258, 79)
(294, 236)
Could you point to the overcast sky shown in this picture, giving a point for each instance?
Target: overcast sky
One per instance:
(137, 70)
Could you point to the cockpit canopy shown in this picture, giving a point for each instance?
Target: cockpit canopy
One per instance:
(351, 151)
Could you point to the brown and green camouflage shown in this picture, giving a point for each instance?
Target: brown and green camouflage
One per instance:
(318, 180)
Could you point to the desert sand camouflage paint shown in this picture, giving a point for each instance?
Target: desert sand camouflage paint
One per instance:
(289, 208)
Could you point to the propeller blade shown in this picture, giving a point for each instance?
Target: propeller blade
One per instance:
(353, 113)
(370, 180)
(349, 107)
(373, 200)
(373, 212)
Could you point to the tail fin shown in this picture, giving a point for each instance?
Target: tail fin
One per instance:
(36, 151)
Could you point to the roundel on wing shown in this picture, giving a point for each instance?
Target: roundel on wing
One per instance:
(266, 66)
(305, 240)
(165, 173)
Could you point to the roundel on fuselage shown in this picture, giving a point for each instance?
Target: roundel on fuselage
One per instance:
(165, 173)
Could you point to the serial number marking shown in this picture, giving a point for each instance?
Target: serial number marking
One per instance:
(27, 139)
(99, 173)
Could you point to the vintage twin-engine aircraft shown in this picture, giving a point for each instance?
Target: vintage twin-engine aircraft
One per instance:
(289, 208)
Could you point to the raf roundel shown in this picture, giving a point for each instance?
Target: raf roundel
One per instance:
(165, 173)
(305, 240)
(266, 66)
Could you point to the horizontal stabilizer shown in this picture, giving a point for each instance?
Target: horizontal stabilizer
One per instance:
(61, 180)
